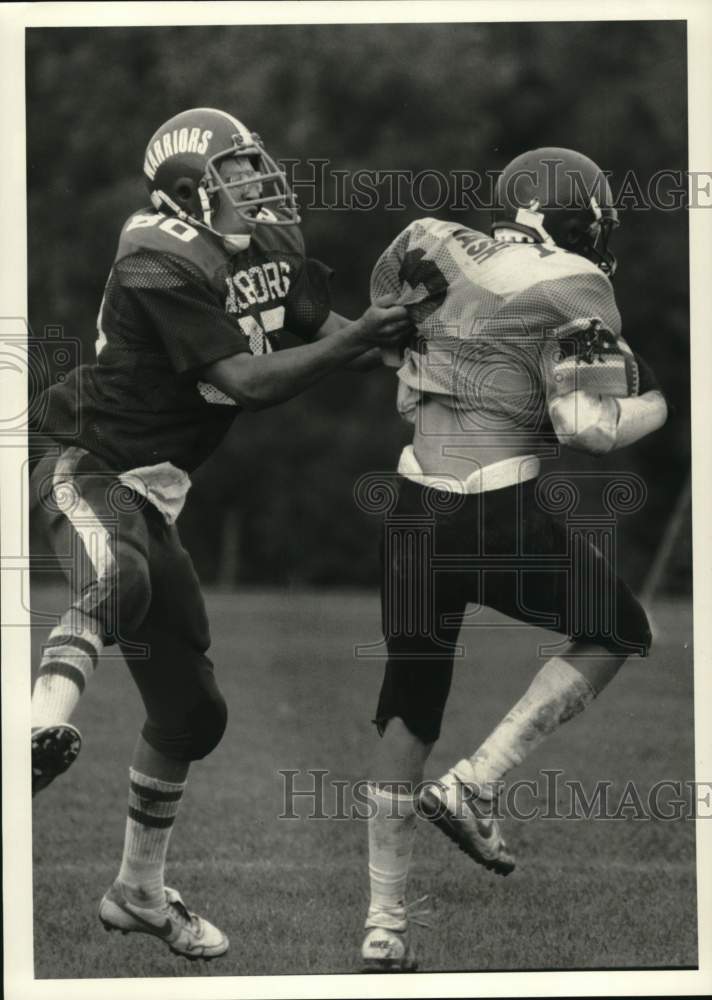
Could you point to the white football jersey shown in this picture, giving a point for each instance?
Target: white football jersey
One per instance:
(496, 320)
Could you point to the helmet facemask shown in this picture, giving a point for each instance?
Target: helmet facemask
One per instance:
(273, 187)
(577, 235)
(599, 234)
(591, 239)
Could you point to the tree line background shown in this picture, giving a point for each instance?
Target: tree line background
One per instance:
(275, 504)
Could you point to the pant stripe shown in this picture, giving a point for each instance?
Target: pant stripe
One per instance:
(95, 537)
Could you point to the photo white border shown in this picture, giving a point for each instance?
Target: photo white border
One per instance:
(17, 851)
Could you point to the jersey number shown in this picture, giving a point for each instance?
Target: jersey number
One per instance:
(181, 230)
(417, 271)
(255, 331)
(176, 227)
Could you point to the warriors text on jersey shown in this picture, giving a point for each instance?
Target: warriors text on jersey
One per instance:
(177, 301)
(495, 320)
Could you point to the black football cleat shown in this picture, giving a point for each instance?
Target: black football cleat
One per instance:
(54, 749)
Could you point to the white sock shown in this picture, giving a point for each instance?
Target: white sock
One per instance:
(557, 693)
(153, 806)
(391, 832)
(69, 658)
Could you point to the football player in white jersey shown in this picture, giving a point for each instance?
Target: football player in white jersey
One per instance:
(518, 347)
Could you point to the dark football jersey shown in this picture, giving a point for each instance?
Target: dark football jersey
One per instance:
(176, 300)
(495, 321)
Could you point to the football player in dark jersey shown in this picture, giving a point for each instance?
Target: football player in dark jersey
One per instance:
(518, 348)
(203, 283)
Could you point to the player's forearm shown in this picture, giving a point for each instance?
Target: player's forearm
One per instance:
(264, 380)
(599, 424)
(640, 416)
(268, 379)
(367, 361)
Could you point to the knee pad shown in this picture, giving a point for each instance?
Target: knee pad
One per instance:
(645, 632)
(633, 634)
(207, 725)
(199, 733)
(634, 626)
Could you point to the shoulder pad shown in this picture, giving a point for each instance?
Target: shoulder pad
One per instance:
(569, 268)
(438, 229)
(561, 263)
(160, 233)
(519, 268)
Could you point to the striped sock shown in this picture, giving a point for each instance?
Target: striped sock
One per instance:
(69, 658)
(153, 806)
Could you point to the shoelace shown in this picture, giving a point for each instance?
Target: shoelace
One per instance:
(416, 916)
(188, 919)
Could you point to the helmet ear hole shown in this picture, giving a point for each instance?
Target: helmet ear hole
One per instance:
(572, 234)
(184, 189)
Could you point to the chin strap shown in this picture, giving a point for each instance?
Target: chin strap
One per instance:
(234, 242)
(159, 200)
(603, 259)
(531, 218)
(205, 205)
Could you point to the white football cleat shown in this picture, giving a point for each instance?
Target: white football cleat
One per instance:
(386, 947)
(184, 932)
(467, 820)
(54, 749)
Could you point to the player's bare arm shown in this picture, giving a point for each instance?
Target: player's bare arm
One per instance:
(365, 362)
(599, 424)
(256, 382)
(629, 406)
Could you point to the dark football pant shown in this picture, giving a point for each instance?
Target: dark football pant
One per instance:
(134, 585)
(500, 549)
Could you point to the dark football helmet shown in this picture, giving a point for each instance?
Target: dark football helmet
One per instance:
(554, 195)
(182, 162)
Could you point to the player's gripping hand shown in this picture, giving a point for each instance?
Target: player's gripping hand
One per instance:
(385, 324)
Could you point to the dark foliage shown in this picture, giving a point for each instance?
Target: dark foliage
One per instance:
(415, 97)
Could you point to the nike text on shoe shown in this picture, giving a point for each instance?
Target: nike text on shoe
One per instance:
(463, 817)
(386, 947)
(387, 951)
(54, 749)
(185, 933)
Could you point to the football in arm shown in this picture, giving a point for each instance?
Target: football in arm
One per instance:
(594, 361)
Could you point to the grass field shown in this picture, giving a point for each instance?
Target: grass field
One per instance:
(292, 894)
